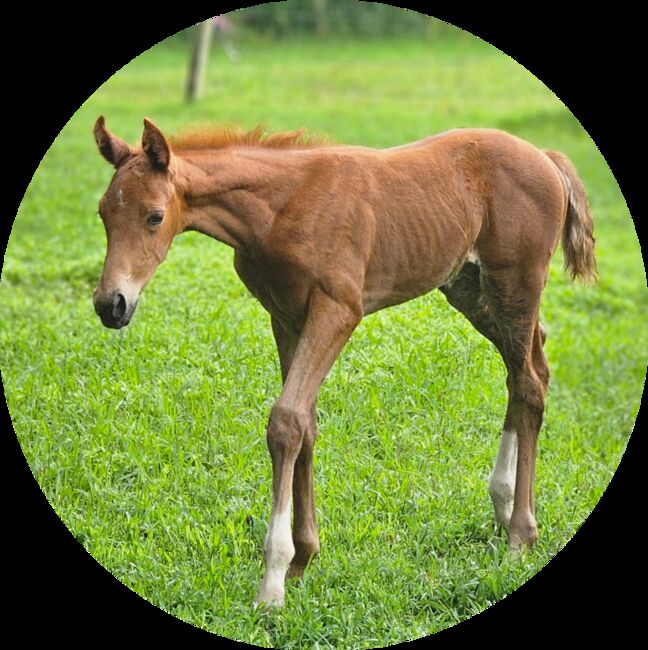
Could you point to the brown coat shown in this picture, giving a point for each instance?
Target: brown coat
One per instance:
(325, 234)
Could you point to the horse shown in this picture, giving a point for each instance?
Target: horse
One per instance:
(325, 234)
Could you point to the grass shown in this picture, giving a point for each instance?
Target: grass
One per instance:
(149, 442)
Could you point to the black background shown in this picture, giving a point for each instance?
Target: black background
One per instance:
(54, 59)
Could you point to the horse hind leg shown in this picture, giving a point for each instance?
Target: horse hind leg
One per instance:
(501, 484)
(514, 297)
(469, 295)
(466, 294)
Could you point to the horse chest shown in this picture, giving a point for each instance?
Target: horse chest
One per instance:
(280, 289)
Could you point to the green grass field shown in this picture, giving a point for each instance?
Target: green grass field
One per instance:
(150, 442)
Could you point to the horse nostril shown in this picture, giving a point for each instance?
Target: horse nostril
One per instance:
(119, 307)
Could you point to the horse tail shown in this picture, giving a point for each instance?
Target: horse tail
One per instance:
(577, 236)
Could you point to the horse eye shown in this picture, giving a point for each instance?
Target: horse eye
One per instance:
(155, 219)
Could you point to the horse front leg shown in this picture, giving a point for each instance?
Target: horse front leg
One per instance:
(305, 537)
(328, 326)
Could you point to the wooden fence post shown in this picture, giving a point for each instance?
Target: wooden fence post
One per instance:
(195, 81)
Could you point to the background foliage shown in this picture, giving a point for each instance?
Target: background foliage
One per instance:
(339, 17)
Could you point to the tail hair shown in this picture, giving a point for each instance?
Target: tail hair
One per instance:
(577, 236)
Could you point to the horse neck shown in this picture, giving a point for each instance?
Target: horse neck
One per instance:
(234, 195)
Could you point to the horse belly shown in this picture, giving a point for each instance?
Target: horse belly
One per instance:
(417, 256)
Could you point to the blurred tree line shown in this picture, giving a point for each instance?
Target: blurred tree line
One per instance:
(342, 17)
(337, 17)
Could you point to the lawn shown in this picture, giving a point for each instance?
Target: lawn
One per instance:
(149, 442)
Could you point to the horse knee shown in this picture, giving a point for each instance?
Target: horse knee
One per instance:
(286, 429)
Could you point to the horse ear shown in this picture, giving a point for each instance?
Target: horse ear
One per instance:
(155, 146)
(112, 148)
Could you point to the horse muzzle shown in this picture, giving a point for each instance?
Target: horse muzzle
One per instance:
(114, 309)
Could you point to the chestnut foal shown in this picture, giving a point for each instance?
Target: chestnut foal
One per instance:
(324, 235)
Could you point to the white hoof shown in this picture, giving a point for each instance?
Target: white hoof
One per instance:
(271, 592)
(269, 599)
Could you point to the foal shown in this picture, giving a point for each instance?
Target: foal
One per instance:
(324, 235)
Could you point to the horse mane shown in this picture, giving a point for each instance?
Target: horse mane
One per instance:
(220, 137)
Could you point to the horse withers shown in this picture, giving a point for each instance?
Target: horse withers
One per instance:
(325, 234)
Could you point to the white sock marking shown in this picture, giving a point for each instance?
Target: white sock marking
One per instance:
(279, 551)
(501, 485)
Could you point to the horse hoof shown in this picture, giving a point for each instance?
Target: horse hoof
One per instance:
(269, 599)
(268, 605)
(521, 538)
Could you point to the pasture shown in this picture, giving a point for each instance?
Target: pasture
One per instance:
(150, 442)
